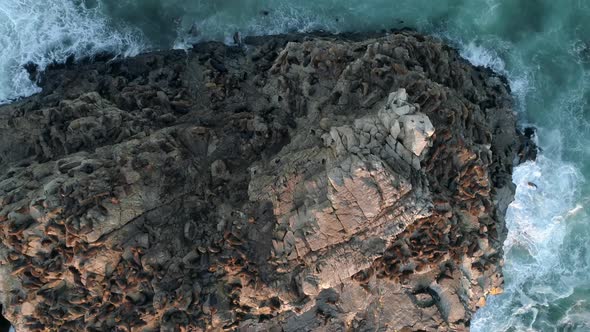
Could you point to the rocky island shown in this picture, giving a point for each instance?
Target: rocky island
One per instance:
(293, 183)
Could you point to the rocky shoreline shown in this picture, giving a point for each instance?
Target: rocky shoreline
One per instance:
(296, 183)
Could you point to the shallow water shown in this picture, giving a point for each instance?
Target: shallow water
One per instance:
(542, 46)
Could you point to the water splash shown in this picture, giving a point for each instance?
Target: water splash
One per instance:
(537, 222)
(537, 227)
(43, 32)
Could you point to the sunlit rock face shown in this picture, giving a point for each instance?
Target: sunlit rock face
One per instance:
(302, 182)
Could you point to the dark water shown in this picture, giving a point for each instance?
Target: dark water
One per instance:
(542, 46)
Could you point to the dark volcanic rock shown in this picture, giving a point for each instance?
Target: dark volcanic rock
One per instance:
(302, 183)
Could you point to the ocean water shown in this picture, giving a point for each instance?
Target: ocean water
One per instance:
(542, 46)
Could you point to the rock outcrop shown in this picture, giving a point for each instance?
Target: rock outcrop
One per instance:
(303, 182)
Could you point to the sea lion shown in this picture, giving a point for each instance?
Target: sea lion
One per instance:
(194, 30)
(218, 65)
(237, 38)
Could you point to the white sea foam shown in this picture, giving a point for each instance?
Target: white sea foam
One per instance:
(576, 318)
(51, 30)
(477, 55)
(537, 224)
(536, 221)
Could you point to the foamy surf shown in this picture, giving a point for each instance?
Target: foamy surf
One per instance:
(477, 55)
(536, 221)
(43, 32)
(537, 224)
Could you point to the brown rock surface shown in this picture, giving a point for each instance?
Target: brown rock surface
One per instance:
(305, 182)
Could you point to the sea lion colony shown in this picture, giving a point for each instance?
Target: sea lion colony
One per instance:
(302, 182)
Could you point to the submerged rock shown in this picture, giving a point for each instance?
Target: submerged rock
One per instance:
(300, 183)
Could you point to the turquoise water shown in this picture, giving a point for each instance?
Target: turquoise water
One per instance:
(542, 46)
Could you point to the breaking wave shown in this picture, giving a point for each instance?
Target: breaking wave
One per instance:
(43, 32)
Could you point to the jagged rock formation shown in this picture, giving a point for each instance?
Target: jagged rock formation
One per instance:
(306, 182)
